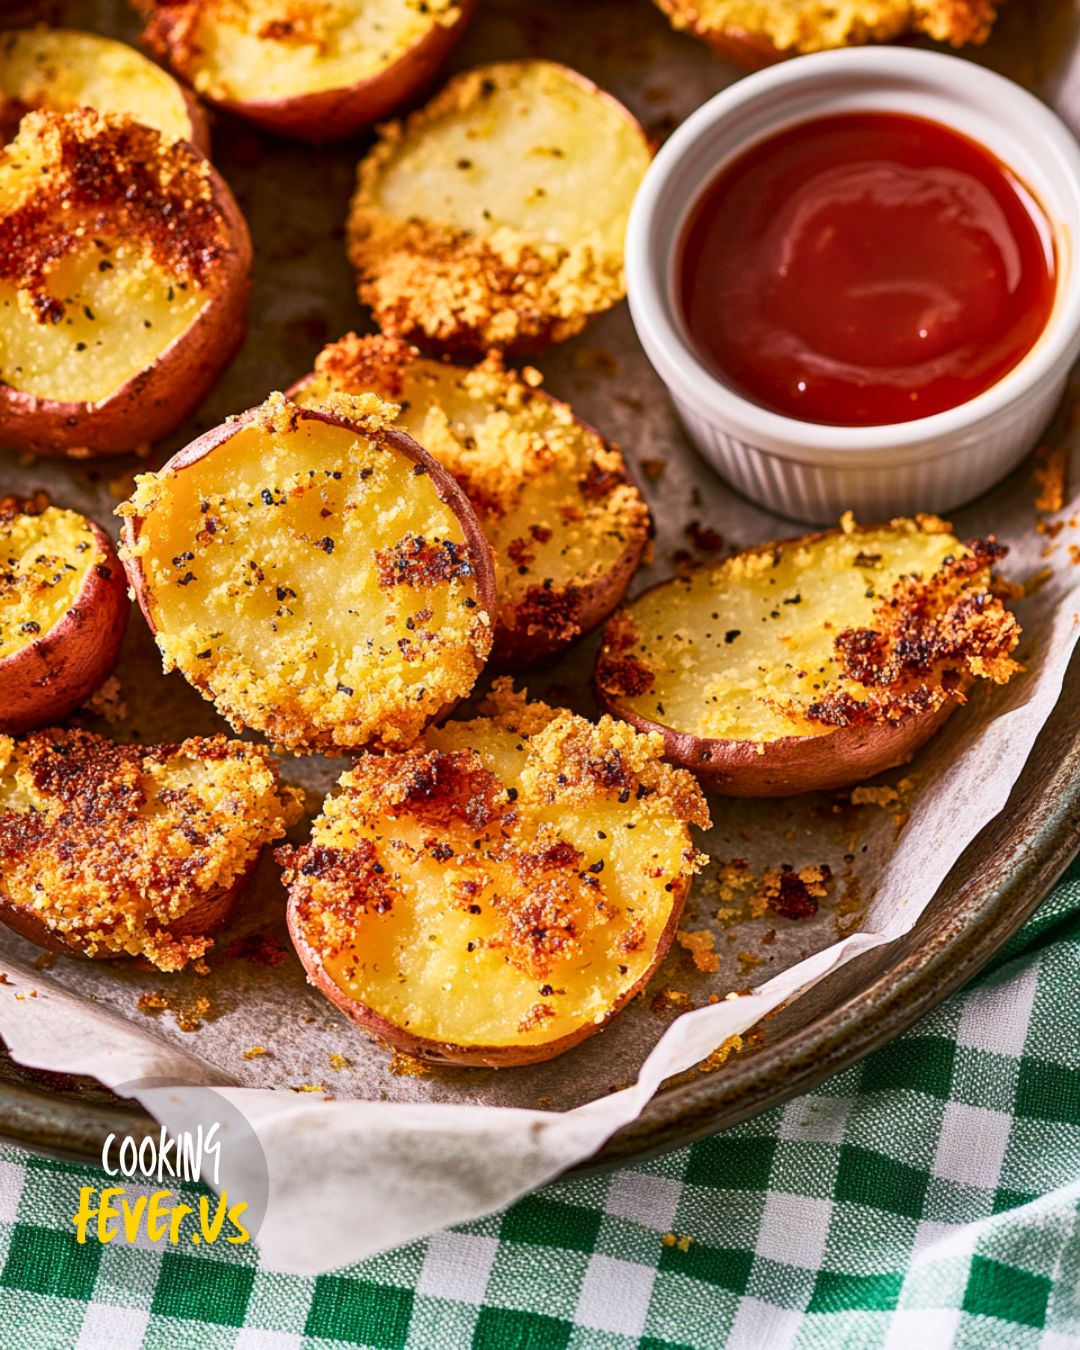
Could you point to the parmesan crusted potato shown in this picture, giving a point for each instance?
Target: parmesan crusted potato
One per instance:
(63, 612)
(495, 215)
(497, 893)
(757, 32)
(124, 277)
(132, 850)
(60, 70)
(812, 663)
(318, 70)
(566, 526)
(315, 574)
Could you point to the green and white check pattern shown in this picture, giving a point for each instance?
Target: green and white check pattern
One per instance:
(928, 1197)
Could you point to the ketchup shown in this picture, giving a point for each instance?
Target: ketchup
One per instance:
(865, 268)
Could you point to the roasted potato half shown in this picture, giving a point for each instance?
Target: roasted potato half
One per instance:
(132, 850)
(315, 574)
(497, 893)
(566, 525)
(494, 216)
(758, 32)
(812, 663)
(61, 69)
(314, 71)
(63, 611)
(124, 278)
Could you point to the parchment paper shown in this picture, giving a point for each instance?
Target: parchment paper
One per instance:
(395, 1155)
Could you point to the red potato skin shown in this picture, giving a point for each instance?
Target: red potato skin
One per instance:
(204, 920)
(793, 764)
(337, 114)
(157, 400)
(200, 123)
(467, 1056)
(55, 674)
(445, 486)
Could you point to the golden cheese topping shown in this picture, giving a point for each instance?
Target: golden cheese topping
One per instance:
(796, 639)
(307, 577)
(507, 881)
(124, 849)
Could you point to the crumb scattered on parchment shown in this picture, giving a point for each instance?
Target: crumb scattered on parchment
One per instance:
(653, 468)
(683, 1242)
(408, 1066)
(849, 907)
(188, 1013)
(896, 799)
(1038, 580)
(261, 949)
(795, 894)
(254, 1052)
(668, 1000)
(1051, 468)
(4, 979)
(748, 960)
(107, 702)
(44, 961)
(545, 1103)
(700, 947)
(310, 1087)
(339, 1062)
(704, 537)
(23, 997)
(596, 358)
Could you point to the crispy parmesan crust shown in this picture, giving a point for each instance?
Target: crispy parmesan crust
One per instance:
(132, 850)
(461, 292)
(897, 679)
(299, 700)
(756, 32)
(547, 902)
(565, 523)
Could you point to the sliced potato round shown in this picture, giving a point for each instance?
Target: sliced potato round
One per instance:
(132, 850)
(812, 663)
(124, 278)
(498, 893)
(757, 32)
(566, 526)
(315, 574)
(63, 612)
(315, 71)
(61, 69)
(495, 216)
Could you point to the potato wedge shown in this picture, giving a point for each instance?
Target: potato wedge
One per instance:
(124, 278)
(62, 69)
(132, 850)
(812, 663)
(566, 526)
(498, 893)
(63, 612)
(495, 215)
(757, 32)
(316, 72)
(315, 574)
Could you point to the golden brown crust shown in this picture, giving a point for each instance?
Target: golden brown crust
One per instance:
(463, 291)
(539, 903)
(55, 656)
(757, 32)
(123, 850)
(897, 679)
(566, 525)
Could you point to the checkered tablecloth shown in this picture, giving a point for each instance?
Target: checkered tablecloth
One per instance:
(928, 1197)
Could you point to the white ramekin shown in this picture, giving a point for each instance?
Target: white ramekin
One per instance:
(802, 469)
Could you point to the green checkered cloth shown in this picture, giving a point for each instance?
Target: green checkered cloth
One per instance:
(929, 1196)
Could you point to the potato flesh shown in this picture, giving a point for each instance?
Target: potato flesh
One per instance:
(542, 155)
(412, 965)
(727, 645)
(44, 563)
(61, 69)
(116, 323)
(280, 609)
(323, 46)
(521, 461)
(814, 25)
